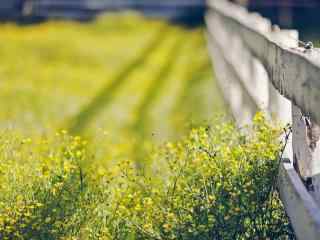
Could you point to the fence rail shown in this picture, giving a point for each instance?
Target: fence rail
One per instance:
(259, 66)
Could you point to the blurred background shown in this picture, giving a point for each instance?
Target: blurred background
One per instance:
(302, 15)
(299, 14)
(190, 11)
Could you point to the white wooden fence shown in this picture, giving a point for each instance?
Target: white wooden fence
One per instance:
(259, 66)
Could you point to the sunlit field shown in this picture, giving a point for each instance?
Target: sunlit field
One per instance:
(51, 72)
(111, 130)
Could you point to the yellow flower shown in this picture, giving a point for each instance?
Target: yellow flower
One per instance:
(78, 154)
(211, 198)
(54, 191)
(39, 204)
(27, 214)
(77, 138)
(137, 207)
(148, 201)
(167, 227)
(147, 226)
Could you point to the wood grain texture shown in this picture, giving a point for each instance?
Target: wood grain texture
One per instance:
(303, 211)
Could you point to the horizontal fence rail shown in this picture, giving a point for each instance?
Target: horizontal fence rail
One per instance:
(259, 66)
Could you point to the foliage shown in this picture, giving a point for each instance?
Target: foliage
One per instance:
(214, 184)
(114, 182)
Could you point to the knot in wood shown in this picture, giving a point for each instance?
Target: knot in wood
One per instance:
(309, 45)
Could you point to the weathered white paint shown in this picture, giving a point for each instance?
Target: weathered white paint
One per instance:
(259, 66)
(305, 144)
(250, 71)
(303, 211)
(293, 71)
(306, 150)
(279, 105)
(240, 102)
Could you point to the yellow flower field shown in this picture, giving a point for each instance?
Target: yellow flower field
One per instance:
(95, 143)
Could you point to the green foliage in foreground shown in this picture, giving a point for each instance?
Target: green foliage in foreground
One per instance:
(214, 184)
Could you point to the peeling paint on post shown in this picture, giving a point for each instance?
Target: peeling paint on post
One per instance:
(306, 145)
(303, 211)
(306, 150)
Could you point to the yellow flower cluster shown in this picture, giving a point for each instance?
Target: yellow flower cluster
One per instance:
(111, 181)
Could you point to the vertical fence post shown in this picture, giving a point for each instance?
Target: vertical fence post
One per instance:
(279, 105)
(306, 154)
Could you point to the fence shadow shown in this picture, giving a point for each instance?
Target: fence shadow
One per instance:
(104, 97)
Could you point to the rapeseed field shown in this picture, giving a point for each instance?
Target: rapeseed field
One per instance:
(112, 130)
